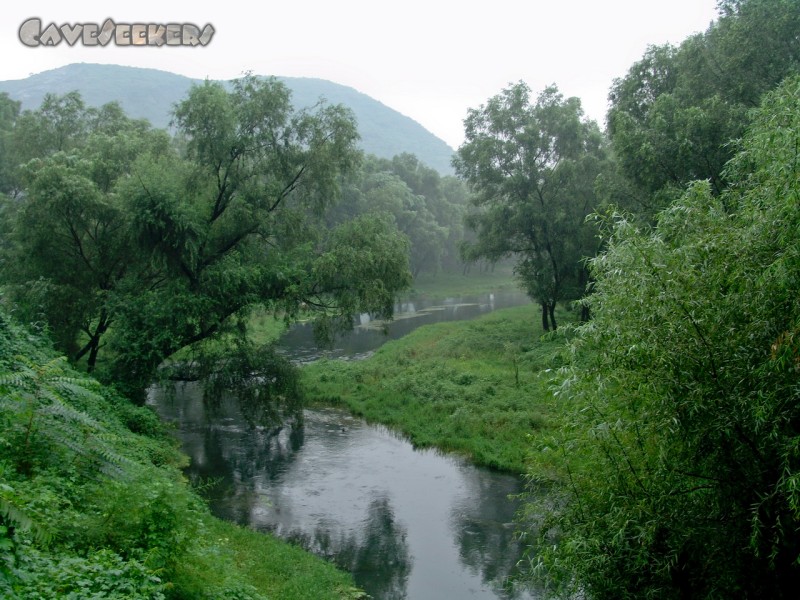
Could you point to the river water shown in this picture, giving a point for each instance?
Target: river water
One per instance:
(409, 524)
(368, 335)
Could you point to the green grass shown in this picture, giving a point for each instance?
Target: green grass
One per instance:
(263, 327)
(478, 388)
(274, 568)
(443, 285)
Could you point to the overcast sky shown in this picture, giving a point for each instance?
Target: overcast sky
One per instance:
(431, 60)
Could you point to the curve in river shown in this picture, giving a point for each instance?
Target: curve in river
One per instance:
(409, 524)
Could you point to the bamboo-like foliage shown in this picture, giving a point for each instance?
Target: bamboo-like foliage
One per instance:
(678, 469)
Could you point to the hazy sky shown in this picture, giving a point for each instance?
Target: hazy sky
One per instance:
(431, 60)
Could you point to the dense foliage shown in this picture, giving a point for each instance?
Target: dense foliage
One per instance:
(120, 237)
(674, 113)
(427, 208)
(670, 449)
(680, 466)
(93, 505)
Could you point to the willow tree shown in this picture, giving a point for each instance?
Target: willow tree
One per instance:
(67, 245)
(211, 231)
(532, 168)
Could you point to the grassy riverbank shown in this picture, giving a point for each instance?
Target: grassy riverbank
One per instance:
(478, 388)
(93, 503)
(272, 567)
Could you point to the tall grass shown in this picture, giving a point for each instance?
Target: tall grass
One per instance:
(478, 388)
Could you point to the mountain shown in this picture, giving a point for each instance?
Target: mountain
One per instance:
(151, 94)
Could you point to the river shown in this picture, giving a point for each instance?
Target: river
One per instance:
(409, 524)
(368, 335)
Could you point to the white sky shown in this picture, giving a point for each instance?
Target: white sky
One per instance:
(429, 59)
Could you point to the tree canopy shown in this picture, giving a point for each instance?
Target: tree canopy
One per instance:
(165, 245)
(674, 114)
(426, 207)
(531, 168)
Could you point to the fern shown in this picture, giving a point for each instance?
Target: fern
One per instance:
(13, 514)
(41, 400)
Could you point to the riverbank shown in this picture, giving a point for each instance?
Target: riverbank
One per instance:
(478, 388)
(93, 502)
(272, 567)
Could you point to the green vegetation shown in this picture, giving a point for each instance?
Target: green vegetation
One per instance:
(444, 284)
(93, 505)
(670, 445)
(151, 94)
(532, 171)
(427, 208)
(126, 242)
(675, 112)
(128, 247)
(678, 461)
(478, 388)
(271, 566)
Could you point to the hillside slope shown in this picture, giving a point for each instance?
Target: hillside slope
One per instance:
(151, 94)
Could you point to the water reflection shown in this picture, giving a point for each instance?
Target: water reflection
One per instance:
(407, 523)
(377, 556)
(485, 530)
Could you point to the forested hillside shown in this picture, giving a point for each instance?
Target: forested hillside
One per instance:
(150, 94)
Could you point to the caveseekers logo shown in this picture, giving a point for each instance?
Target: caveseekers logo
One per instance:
(32, 34)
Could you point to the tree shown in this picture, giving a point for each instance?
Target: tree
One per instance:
(205, 235)
(674, 114)
(427, 208)
(531, 169)
(60, 124)
(385, 192)
(70, 247)
(445, 199)
(9, 111)
(678, 468)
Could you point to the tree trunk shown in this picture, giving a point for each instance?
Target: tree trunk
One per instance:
(90, 363)
(585, 316)
(545, 322)
(93, 345)
(551, 308)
